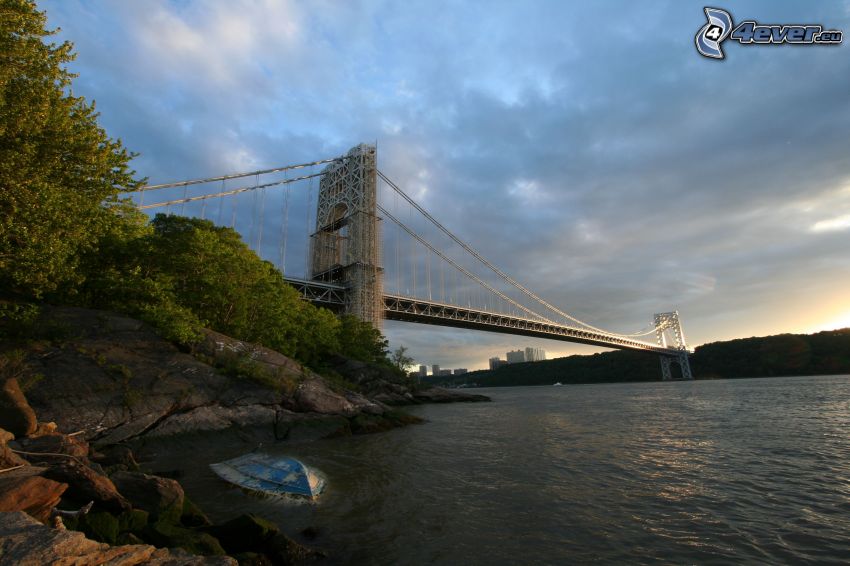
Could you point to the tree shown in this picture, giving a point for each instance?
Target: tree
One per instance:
(60, 174)
(400, 359)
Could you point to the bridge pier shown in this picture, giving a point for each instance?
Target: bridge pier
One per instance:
(668, 322)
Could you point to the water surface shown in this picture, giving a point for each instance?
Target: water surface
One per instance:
(754, 470)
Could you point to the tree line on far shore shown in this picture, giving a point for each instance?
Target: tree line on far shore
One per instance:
(823, 353)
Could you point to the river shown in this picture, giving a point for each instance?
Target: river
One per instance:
(750, 470)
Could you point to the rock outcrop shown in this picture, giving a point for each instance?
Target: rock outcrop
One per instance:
(26, 542)
(16, 415)
(26, 490)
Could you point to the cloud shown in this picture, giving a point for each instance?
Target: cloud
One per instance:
(586, 149)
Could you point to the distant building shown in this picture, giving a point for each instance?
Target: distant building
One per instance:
(496, 363)
(435, 369)
(460, 371)
(535, 354)
(423, 371)
(516, 357)
(445, 372)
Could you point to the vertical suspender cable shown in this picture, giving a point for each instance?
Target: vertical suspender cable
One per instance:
(262, 219)
(220, 203)
(307, 227)
(284, 227)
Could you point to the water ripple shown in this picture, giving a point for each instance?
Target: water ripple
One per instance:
(714, 472)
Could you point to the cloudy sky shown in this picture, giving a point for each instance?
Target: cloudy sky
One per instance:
(585, 148)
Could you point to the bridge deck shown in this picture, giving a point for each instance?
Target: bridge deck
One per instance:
(409, 309)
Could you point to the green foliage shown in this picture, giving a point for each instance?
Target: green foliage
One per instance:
(241, 366)
(400, 359)
(66, 236)
(361, 341)
(57, 167)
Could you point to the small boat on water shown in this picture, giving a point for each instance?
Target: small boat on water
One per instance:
(274, 475)
(557, 384)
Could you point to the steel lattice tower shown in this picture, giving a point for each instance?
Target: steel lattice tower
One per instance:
(346, 246)
(669, 321)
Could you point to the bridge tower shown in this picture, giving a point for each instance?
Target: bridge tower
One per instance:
(345, 249)
(668, 323)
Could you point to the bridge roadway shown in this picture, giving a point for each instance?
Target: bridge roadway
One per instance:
(409, 309)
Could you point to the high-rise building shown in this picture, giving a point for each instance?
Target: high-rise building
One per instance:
(516, 356)
(460, 371)
(423, 371)
(435, 369)
(534, 354)
(495, 363)
(444, 372)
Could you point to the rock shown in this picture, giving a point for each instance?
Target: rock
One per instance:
(118, 457)
(244, 533)
(295, 427)
(100, 526)
(214, 418)
(315, 396)
(8, 459)
(55, 443)
(161, 497)
(45, 428)
(25, 542)
(133, 521)
(252, 559)
(25, 490)
(85, 485)
(16, 415)
(192, 515)
(367, 424)
(283, 550)
(163, 533)
(441, 395)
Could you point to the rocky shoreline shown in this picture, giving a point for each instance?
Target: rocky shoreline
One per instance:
(108, 380)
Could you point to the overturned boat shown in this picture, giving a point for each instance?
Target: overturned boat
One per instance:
(273, 475)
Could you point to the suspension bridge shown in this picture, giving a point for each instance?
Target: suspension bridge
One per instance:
(359, 218)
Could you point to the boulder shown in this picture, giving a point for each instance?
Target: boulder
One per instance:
(314, 396)
(8, 459)
(441, 395)
(168, 535)
(116, 456)
(25, 542)
(214, 417)
(16, 415)
(245, 533)
(100, 526)
(26, 490)
(294, 427)
(162, 498)
(85, 485)
(192, 515)
(283, 550)
(48, 445)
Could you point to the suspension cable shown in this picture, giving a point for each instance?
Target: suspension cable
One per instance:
(237, 175)
(459, 267)
(492, 267)
(232, 192)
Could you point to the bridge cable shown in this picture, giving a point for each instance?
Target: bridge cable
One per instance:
(459, 267)
(237, 175)
(284, 228)
(220, 204)
(231, 192)
(492, 267)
